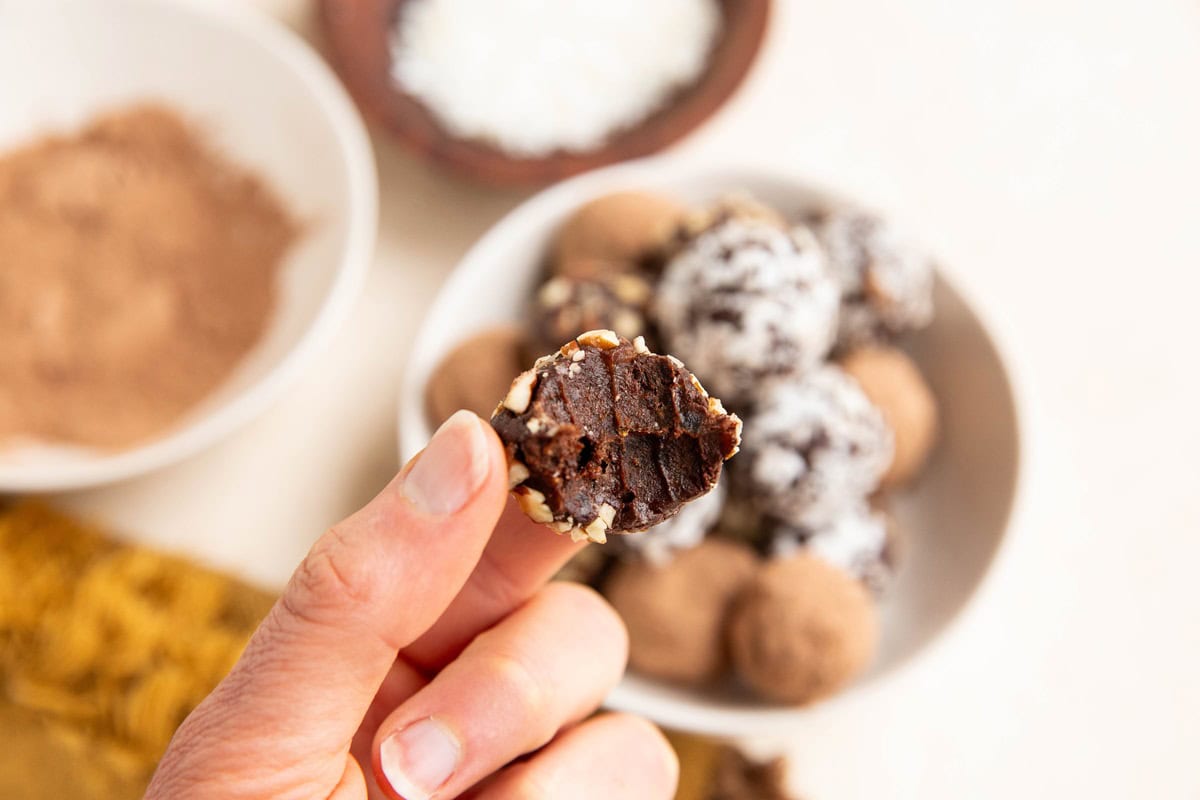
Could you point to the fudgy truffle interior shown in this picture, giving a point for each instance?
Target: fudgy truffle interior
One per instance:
(619, 427)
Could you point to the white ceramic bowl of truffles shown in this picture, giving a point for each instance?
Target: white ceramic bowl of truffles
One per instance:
(268, 103)
(955, 516)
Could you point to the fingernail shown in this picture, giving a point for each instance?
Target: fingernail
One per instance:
(451, 467)
(419, 759)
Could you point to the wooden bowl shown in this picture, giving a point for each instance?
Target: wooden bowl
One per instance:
(359, 31)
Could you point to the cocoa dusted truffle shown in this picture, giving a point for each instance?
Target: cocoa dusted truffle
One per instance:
(605, 436)
(676, 612)
(894, 384)
(813, 447)
(801, 630)
(886, 281)
(745, 301)
(619, 229)
(475, 373)
(565, 307)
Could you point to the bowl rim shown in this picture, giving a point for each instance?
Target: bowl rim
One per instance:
(764, 719)
(354, 149)
(408, 120)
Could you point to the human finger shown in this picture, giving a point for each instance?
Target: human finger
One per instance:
(547, 664)
(521, 556)
(614, 755)
(368, 587)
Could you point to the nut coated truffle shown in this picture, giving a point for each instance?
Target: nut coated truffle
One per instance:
(745, 301)
(676, 613)
(813, 447)
(886, 282)
(606, 437)
(475, 373)
(565, 307)
(619, 229)
(801, 630)
(891, 380)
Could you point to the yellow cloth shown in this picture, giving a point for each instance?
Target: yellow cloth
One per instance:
(104, 649)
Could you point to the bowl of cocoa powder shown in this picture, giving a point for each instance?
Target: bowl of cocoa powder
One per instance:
(187, 210)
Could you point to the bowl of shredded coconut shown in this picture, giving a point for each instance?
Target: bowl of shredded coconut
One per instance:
(187, 210)
(528, 92)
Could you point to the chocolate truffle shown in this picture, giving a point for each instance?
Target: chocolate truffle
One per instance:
(801, 630)
(475, 373)
(606, 437)
(710, 770)
(683, 531)
(738, 777)
(620, 229)
(586, 268)
(894, 384)
(676, 613)
(745, 301)
(814, 447)
(886, 282)
(733, 206)
(856, 542)
(564, 307)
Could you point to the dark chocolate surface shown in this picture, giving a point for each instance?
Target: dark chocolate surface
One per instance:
(609, 424)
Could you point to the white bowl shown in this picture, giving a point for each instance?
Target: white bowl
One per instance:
(266, 100)
(956, 515)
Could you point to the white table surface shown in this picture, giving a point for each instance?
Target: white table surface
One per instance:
(1049, 150)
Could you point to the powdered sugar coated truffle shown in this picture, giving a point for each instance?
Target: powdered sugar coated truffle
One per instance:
(886, 281)
(813, 448)
(744, 301)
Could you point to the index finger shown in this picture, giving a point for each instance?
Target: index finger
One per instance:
(518, 560)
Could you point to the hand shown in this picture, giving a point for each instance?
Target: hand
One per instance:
(416, 653)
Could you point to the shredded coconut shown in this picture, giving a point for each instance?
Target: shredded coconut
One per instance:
(854, 541)
(886, 280)
(533, 77)
(745, 301)
(813, 448)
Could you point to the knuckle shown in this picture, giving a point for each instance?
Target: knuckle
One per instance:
(593, 617)
(518, 680)
(331, 582)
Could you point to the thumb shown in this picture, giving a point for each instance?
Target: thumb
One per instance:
(370, 585)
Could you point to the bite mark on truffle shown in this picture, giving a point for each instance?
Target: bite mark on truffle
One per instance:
(615, 438)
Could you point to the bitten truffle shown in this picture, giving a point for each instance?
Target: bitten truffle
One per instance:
(676, 613)
(886, 282)
(813, 448)
(894, 384)
(606, 437)
(475, 373)
(565, 307)
(745, 301)
(801, 630)
(619, 229)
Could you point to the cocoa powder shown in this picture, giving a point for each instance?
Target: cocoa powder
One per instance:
(137, 268)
